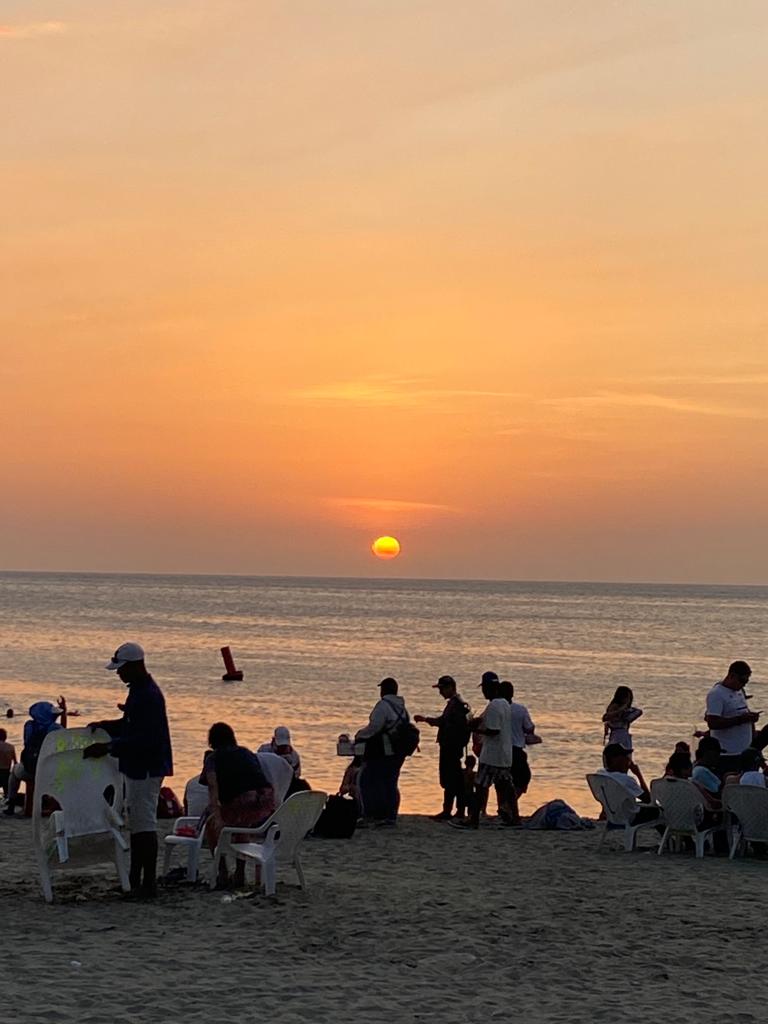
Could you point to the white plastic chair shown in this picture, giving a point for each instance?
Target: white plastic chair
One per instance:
(748, 808)
(683, 807)
(78, 786)
(620, 809)
(294, 819)
(193, 844)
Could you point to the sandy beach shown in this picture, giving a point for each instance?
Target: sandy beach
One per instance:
(419, 924)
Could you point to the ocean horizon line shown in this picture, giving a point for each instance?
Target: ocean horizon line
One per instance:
(378, 580)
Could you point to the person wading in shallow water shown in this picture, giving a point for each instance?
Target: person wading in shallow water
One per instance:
(141, 742)
(452, 737)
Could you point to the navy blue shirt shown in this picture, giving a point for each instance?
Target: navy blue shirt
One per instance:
(141, 738)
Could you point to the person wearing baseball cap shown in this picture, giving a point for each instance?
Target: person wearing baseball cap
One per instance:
(141, 742)
(452, 737)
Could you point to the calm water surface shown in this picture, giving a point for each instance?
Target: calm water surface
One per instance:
(313, 651)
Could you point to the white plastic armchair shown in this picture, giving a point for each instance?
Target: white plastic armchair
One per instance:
(80, 788)
(683, 807)
(620, 809)
(748, 808)
(190, 840)
(294, 819)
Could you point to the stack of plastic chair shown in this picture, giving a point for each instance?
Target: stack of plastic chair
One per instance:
(89, 795)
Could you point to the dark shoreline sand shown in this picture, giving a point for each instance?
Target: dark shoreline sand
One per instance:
(420, 924)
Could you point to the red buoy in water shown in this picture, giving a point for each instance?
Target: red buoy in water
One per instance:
(232, 675)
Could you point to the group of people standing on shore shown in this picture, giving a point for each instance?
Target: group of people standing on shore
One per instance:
(498, 736)
(241, 787)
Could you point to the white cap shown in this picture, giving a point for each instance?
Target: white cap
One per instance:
(124, 653)
(282, 736)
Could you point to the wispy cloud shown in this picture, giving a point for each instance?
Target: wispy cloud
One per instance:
(387, 513)
(33, 30)
(649, 400)
(391, 391)
(390, 505)
(757, 378)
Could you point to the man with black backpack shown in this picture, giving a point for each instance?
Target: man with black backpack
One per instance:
(389, 738)
(452, 737)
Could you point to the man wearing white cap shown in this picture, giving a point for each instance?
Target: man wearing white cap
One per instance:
(142, 743)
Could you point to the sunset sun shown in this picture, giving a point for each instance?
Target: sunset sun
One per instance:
(386, 547)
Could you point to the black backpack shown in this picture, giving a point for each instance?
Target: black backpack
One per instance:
(339, 818)
(404, 737)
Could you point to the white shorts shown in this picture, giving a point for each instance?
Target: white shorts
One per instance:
(141, 796)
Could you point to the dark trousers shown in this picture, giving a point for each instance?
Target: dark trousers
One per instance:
(4, 774)
(378, 787)
(451, 778)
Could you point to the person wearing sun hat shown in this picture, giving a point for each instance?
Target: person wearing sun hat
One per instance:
(141, 742)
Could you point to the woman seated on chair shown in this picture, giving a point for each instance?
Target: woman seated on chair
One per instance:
(240, 793)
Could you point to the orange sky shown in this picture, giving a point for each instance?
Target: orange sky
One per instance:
(281, 277)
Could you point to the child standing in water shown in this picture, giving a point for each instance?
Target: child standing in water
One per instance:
(619, 716)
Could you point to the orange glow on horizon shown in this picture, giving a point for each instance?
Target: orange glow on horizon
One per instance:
(497, 284)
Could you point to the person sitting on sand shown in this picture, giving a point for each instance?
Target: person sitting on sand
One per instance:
(619, 716)
(617, 765)
(239, 791)
(452, 737)
(43, 718)
(350, 782)
(7, 760)
(280, 744)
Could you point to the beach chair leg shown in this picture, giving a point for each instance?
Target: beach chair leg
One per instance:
(45, 876)
(300, 872)
(121, 863)
(192, 857)
(630, 835)
(700, 839)
(167, 859)
(663, 842)
(268, 876)
(735, 842)
(214, 876)
(603, 834)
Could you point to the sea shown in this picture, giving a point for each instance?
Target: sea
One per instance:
(313, 651)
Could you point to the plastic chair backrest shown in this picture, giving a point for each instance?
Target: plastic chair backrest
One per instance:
(682, 803)
(297, 816)
(196, 797)
(619, 805)
(750, 805)
(76, 784)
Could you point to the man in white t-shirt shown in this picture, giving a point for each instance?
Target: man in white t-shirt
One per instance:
(495, 760)
(521, 726)
(729, 719)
